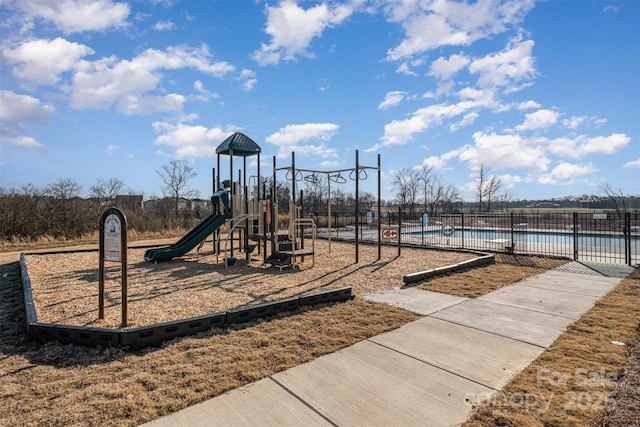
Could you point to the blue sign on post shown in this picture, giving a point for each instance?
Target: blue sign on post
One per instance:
(425, 219)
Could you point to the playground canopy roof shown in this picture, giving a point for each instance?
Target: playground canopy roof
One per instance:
(238, 144)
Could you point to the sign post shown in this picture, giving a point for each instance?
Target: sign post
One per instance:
(113, 247)
(390, 233)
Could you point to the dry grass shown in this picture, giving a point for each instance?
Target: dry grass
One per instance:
(52, 384)
(626, 396)
(480, 281)
(570, 383)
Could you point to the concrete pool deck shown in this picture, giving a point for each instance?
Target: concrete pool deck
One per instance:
(428, 372)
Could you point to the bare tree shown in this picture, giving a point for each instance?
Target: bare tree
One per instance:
(105, 191)
(619, 199)
(435, 193)
(406, 183)
(20, 215)
(315, 192)
(505, 199)
(63, 193)
(175, 177)
(486, 186)
(64, 188)
(426, 177)
(491, 188)
(450, 197)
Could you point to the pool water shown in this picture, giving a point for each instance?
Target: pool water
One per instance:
(537, 237)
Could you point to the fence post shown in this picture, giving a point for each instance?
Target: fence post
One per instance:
(513, 244)
(399, 229)
(575, 236)
(462, 227)
(627, 238)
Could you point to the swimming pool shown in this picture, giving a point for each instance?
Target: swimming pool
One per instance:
(596, 240)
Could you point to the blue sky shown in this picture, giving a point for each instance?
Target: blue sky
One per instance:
(544, 94)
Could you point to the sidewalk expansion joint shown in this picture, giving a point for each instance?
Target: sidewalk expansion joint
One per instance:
(304, 402)
(433, 365)
(493, 333)
(448, 307)
(529, 309)
(560, 290)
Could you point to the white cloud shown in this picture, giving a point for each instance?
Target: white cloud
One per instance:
(580, 145)
(203, 94)
(290, 137)
(22, 141)
(538, 120)
(100, 84)
(74, 16)
(144, 105)
(435, 162)
(391, 99)
(566, 173)
(633, 164)
(574, 122)
(400, 132)
(108, 81)
(164, 26)
(292, 29)
(329, 164)
(42, 61)
(403, 68)
(504, 70)
(248, 78)
(507, 68)
(467, 120)
(509, 181)
(191, 141)
(504, 151)
(605, 144)
(432, 24)
(528, 105)
(16, 110)
(443, 68)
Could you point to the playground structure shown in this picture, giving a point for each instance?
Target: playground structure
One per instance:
(238, 208)
(297, 223)
(250, 216)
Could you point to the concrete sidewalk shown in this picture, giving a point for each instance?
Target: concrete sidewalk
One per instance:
(426, 373)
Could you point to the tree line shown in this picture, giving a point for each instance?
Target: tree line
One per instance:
(57, 210)
(426, 188)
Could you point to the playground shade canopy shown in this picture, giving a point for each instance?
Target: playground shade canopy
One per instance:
(238, 144)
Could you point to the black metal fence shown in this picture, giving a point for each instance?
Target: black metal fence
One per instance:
(608, 237)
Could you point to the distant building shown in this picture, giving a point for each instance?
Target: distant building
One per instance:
(129, 202)
(586, 203)
(183, 204)
(200, 204)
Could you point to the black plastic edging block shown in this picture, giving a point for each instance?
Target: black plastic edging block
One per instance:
(332, 295)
